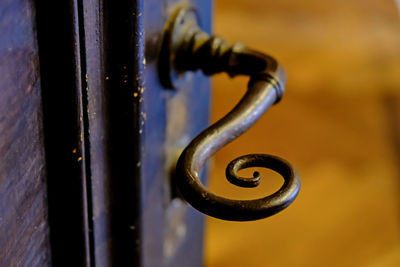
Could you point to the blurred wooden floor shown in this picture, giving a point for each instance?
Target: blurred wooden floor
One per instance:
(339, 123)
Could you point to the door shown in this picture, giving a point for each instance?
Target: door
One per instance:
(136, 129)
(89, 137)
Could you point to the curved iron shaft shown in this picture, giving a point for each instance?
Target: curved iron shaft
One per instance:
(195, 50)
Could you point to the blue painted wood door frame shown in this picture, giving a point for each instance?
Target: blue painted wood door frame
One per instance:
(136, 130)
(107, 140)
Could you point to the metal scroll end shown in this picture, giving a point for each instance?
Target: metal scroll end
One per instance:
(233, 177)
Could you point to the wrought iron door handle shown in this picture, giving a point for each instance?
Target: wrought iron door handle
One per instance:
(186, 47)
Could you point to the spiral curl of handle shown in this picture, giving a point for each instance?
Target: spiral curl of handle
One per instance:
(186, 47)
(259, 97)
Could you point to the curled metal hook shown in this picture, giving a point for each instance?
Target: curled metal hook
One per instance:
(189, 48)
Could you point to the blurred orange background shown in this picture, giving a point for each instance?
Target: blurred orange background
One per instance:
(338, 123)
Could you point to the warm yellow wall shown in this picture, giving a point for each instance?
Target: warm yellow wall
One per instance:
(339, 123)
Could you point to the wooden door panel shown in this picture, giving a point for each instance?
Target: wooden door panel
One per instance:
(93, 167)
(24, 229)
(136, 129)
